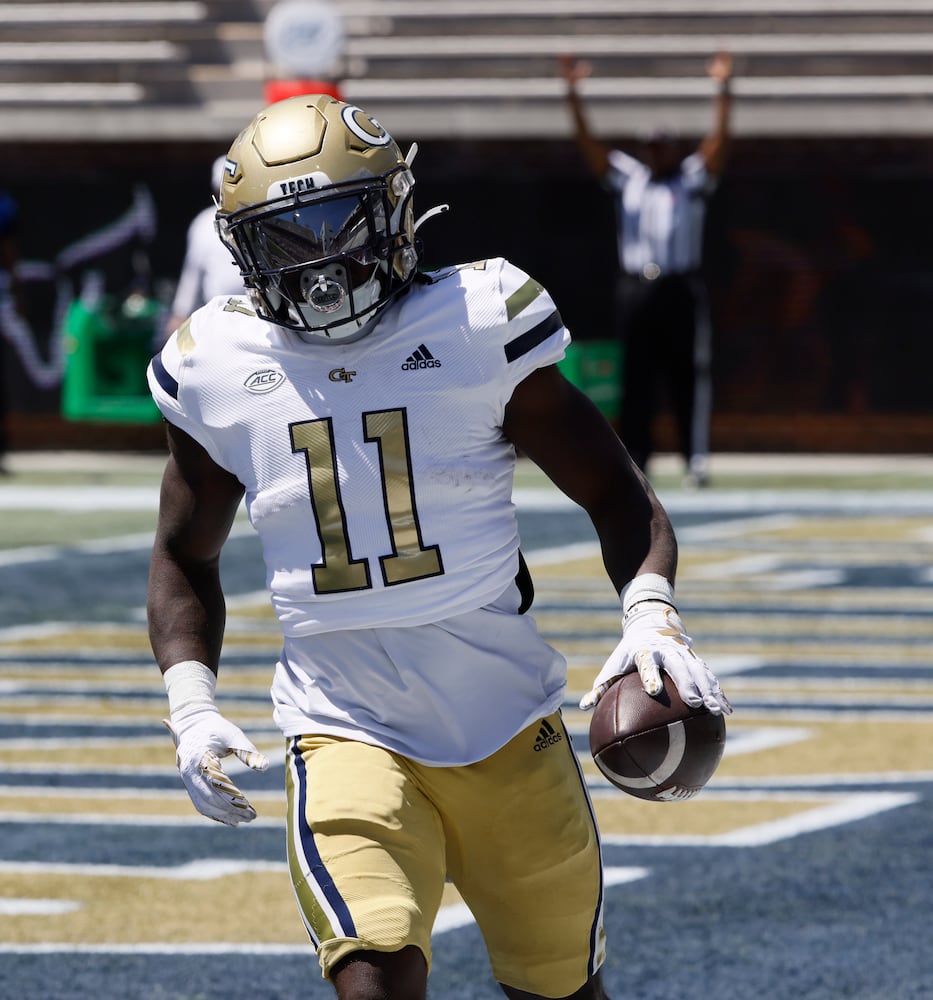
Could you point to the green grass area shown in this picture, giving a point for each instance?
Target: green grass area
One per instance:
(65, 471)
(832, 476)
(889, 480)
(133, 472)
(23, 528)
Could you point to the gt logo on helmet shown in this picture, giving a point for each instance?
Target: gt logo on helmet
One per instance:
(362, 126)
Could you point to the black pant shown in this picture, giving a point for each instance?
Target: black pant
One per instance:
(664, 328)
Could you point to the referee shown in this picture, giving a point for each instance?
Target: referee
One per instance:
(662, 306)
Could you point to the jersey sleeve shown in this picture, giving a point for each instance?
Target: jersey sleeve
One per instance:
(622, 168)
(697, 179)
(534, 335)
(167, 383)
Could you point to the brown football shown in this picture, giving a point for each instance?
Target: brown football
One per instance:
(655, 748)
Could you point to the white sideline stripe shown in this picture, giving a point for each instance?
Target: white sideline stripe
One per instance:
(736, 527)
(109, 819)
(742, 501)
(749, 504)
(201, 870)
(856, 808)
(562, 554)
(848, 810)
(206, 869)
(94, 546)
(828, 781)
(764, 790)
(799, 714)
(745, 741)
(10, 907)
(121, 794)
(450, 918)
(78, 497)
(208, 948)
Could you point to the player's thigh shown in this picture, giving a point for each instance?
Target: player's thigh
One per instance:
(365, 849)
(523, 850)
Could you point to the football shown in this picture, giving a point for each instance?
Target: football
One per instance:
(655, 748)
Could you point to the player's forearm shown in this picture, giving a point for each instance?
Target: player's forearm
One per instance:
(636, 537)
(186, 612)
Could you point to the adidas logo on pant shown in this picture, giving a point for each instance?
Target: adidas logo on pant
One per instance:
(547, 736)
(420, 358)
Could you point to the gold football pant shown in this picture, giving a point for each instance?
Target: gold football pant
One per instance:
(372, 838)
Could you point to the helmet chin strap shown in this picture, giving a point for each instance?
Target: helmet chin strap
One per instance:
(329, 299)
(323, 290)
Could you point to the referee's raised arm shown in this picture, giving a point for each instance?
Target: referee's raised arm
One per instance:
(715, 147)
(594, 152)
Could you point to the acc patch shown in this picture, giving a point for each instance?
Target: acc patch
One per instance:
(265, 380)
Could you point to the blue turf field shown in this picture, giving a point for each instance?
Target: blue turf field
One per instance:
(802, 871)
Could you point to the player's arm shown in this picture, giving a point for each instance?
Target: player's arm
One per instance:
(197, 505)
(560, 429)
(715, 147)
(187, 614)
(594, 152)
(555, 425)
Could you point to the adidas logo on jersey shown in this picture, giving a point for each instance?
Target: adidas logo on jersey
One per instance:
(420, 358)
(547, 736)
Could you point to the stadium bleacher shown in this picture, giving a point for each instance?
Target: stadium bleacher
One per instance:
(176, 69)
(818, 234)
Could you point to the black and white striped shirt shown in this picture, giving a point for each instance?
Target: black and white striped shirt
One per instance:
(660, 222)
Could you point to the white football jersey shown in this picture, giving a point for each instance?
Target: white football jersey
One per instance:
(376, 472)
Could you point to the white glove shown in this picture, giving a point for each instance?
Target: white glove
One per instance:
(653, 639)
(202, 737)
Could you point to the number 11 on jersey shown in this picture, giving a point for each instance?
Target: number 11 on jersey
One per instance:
(410, 559)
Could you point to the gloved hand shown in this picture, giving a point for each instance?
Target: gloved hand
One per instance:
(653, 638)
(202, 738)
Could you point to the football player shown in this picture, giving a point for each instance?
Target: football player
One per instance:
(370, 415)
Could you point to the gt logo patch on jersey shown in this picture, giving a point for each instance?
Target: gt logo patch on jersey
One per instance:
(265, 380)
(341, 375)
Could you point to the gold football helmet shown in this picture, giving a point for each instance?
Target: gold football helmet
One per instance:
(316, 207)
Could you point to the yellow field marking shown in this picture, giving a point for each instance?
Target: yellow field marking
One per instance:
(120, 753)
(248, 907)
(65, 678)
(123, 802)
(71, 640)
(128, 909)
(624, 814)
(757, 626)
(865, 745)
(113, 711)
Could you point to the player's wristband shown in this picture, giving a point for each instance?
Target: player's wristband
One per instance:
(189, 684)
(646, 587)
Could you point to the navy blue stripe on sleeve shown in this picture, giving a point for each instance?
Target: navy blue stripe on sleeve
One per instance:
(163, 378)
(531, 338)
